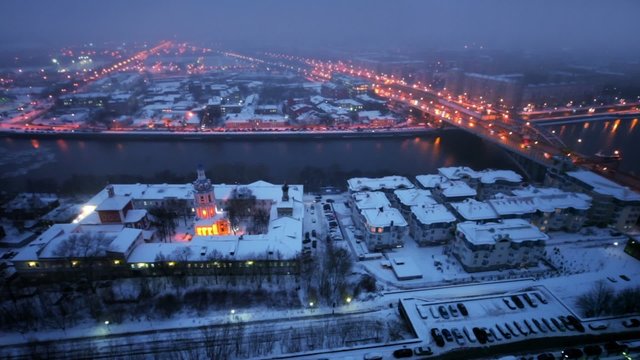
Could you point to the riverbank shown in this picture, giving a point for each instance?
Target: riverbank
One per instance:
(226, 135)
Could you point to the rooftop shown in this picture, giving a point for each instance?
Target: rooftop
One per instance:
(383, 183)
(411, 197)
(514, 230)
(432, 214)
(604, 186)
(383, 217)
(430, 181)
(370, 200)
(471, 209)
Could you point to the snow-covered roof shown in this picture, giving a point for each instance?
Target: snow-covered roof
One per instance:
(488, 176)
(124, 240)
(515, 230)
(383, 217)
(457, 188)
(471, 209)
(432, 214)
(430, 181)
(387, 182)
(114, 203)
(370, 200)
(411, 197)
(604, 186)
(532, 199)
(135, 215)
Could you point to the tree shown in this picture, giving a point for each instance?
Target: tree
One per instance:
(597, 301)
(86, 248)
(164, 220)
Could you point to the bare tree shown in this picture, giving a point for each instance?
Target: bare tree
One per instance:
(597, 301)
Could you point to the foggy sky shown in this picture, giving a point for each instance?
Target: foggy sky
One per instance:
(535, 25)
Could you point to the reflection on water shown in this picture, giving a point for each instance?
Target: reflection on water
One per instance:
(313, 161)
(605, 137)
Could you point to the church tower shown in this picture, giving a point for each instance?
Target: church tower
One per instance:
(205, 201)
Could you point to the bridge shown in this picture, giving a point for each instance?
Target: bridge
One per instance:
(533, 148)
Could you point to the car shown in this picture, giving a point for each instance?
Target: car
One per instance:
(434, 314)
(568, 324)
(480, 335)
(443, 312)
(463, 309)
(372, 356)
(546, 322)
(625, 278)
(516, 300)
(529, 327)
(572, 353)
(447, 335)
(313, 233)
(531, 301)
(457, 335)
(598, 326)
(546, 356)
(631, 323)
(437, 337)
(538, 325)
(313, 220)
(402, 353)
(592, 350)
(509, 304)
(558, 324)
(540, 297)
(613, 280)
(422, 350)
(511, 331)
(453, 311)
(575, 323)
(494, 334)
(614, 348)
(521, 329)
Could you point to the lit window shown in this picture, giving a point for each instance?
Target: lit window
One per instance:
(171, 263)
(32, 264)
(116, 262)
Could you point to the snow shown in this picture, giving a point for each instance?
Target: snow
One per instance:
(452, 189)
(471, 209)
(516, 230)
(432, 214)
(604, 186)
(486, 176)
(411, 197)
(531, 199)
(125, 239)
(383, 217)
(430, 181)
(383, 183)
(405, 268)
(370, 200)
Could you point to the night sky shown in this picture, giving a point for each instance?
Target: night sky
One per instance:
(540, 25)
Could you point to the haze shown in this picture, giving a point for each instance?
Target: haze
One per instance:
(536, 26)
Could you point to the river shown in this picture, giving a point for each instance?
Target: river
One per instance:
(606, 136)
(72, 165)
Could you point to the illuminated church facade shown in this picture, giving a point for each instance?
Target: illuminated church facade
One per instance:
(210, 220)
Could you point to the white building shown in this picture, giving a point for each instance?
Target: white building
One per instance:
(513, 243)
(487, 183)
(431, 224)
(474, 210)
(387, 184)
(612, 204)
(382, 225)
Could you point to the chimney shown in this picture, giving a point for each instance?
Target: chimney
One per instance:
(110, 191)
(285, 192)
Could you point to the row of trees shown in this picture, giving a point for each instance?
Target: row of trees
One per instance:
(602, 300)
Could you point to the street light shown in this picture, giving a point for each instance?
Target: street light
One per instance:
(311, 303)
(348, 299)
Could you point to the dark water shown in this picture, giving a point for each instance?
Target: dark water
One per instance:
(605, 136)
(79, 166)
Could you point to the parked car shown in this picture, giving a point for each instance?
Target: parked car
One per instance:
(546, 322)
(471, 339)
(509, 303)
(480, 335)
(531, 301)
(463, 309)
(372, 356)
(458, 337)
(546, 356)
(403, 353)
(614, 348)
(506, 334)
(575, 323)
(572, 353)
(631, 323)
(422, 350)
(540, 297)
(453, 311)
(437, 337)
(598, 326)
(516, 300)
(592, 350)
(443, 312)
(447, 335)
